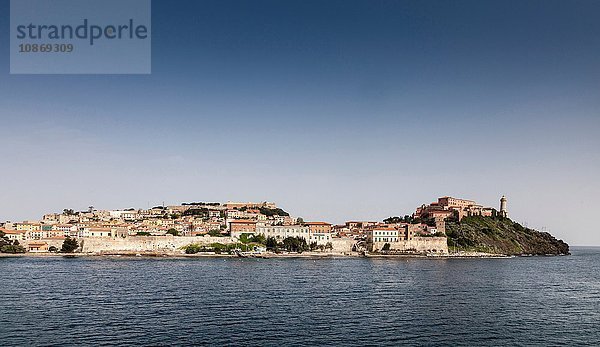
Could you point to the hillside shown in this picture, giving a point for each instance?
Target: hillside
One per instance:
(502, 236)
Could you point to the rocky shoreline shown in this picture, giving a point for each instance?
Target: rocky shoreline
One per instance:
(499, 235)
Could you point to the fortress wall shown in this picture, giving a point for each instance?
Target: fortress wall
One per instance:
(419, 244)
(342, 245)
(167, 243)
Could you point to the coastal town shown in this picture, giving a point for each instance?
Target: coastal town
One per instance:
(236, 228)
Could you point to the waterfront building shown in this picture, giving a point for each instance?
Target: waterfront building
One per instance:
(16, 235)
(321, 234)
(280, 232)
(237, 227)
(95, 232)
(383, 234)
(37, 246)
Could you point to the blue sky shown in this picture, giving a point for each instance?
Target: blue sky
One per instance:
(335, 110)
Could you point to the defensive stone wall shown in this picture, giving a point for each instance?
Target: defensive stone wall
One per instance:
(342, 245)
(166, 243)
(416, 244)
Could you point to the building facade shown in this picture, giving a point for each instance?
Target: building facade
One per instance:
(280, 232)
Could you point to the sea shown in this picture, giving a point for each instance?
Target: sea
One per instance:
(129, 301)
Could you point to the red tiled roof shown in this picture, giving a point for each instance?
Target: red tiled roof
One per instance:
(14, 231)
(242, 221)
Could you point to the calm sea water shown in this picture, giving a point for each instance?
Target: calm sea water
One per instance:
(132, 301)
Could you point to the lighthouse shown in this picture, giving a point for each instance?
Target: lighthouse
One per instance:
(503, 212)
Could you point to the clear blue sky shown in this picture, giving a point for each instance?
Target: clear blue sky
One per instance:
(335, 110)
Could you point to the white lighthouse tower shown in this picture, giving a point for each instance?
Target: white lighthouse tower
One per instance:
(503, 212)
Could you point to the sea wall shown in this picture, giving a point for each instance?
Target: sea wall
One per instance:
(342, 245)
(416, 244)
(167, 243)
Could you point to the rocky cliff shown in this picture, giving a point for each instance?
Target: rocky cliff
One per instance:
(502, 236)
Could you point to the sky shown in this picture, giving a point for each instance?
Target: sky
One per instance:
(335, 110)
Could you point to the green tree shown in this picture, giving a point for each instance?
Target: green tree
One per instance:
(273, 212)
(271, 243)
(295, 244)
(8, 246)
(218, 247)
(13, 249)
(245, 238)
(215, 232)
(69, 245)
(193, 249)
(173, 232)
(392, 220)
(3, 240)
(259, 239)
(197, 212)
(386, 247)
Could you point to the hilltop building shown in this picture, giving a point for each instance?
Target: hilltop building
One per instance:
(264, 204)
(448, 206)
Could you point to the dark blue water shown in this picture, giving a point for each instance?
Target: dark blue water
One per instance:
(132, 301)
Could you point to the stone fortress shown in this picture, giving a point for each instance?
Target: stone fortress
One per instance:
(431, 223)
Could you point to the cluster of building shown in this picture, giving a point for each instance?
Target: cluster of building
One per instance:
(319, 232)
(236, 218)
(193, 219)
(449, 207)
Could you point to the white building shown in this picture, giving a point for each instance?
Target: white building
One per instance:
(18, 235)
(280, 232)
(124, 215)
(383, 235)
(234, 214)
(95, 232)
(66, 229)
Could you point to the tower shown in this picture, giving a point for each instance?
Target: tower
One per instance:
(503, 212)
